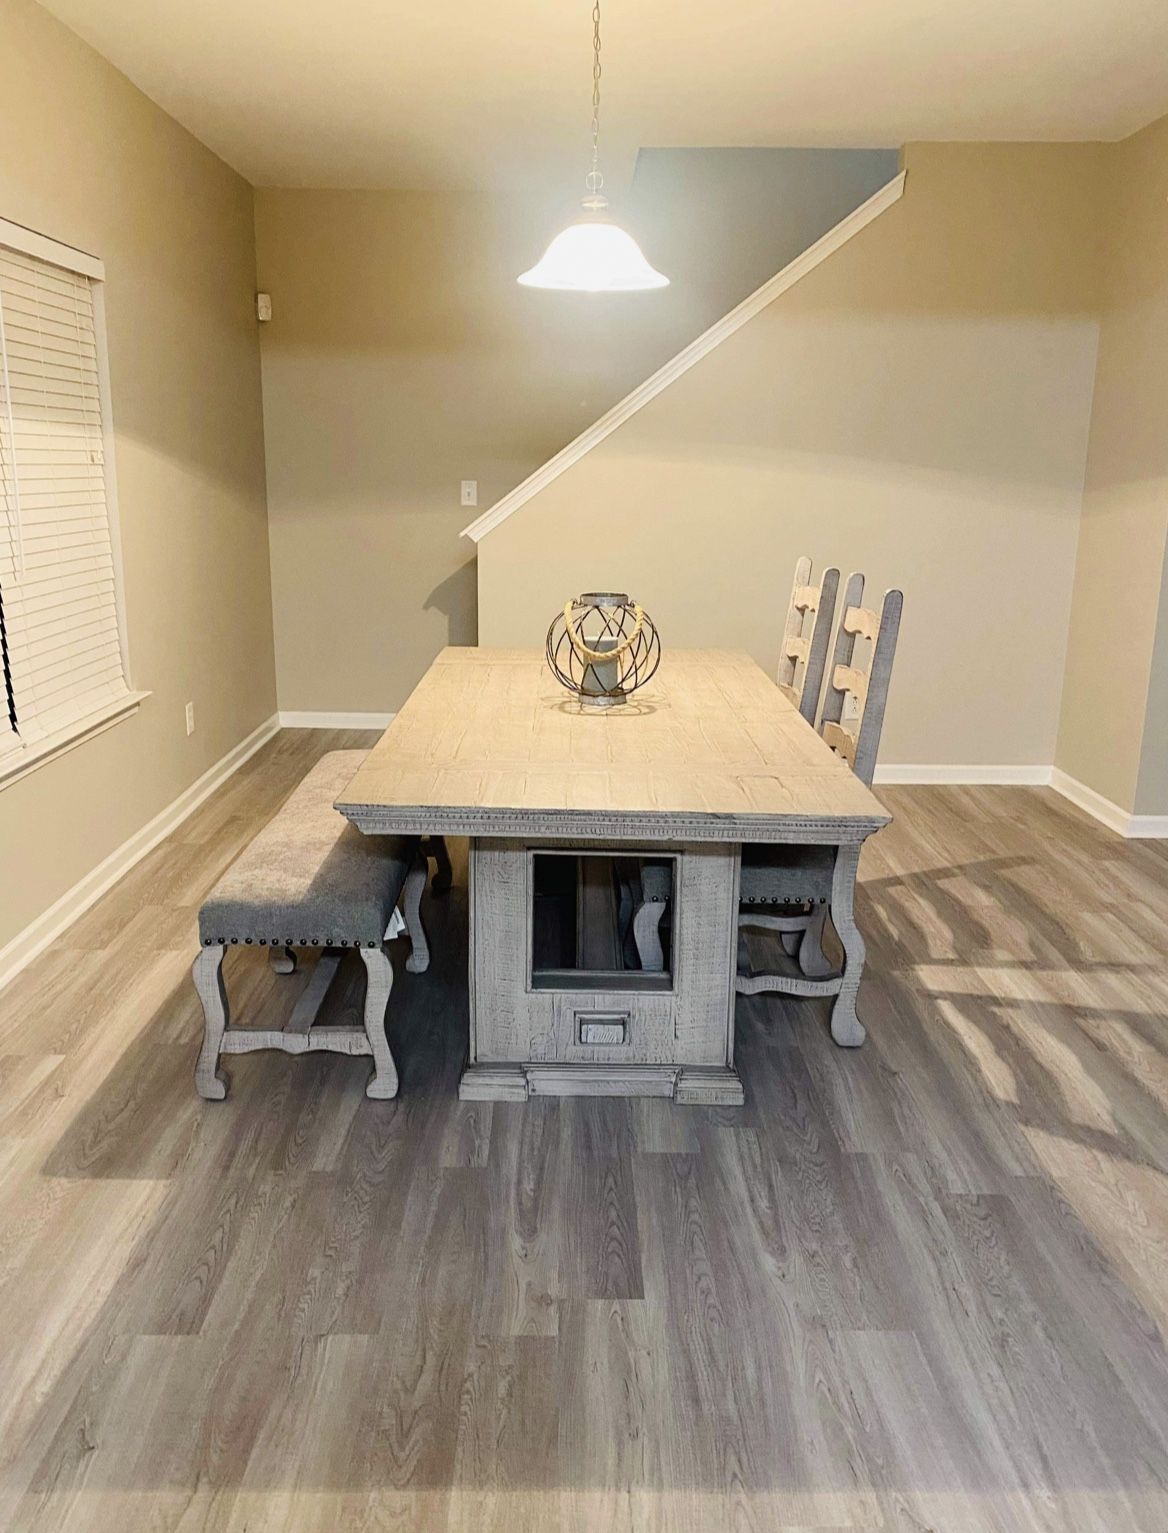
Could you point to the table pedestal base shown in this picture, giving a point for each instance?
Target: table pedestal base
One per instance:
(602, 968)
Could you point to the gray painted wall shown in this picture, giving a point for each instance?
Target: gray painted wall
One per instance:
(755, 210)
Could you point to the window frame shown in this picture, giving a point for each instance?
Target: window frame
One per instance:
(16, 762)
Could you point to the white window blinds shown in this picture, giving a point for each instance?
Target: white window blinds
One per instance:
(57, 581)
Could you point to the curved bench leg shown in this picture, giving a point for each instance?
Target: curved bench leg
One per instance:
(813, 961)
(282, 960)
(436, 848)
(207, 973)
(647, 935)
(419, 960)
(379, 982)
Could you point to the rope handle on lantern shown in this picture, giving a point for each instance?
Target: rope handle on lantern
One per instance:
(617, 650)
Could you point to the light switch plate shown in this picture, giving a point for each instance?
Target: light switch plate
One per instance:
(470, 492)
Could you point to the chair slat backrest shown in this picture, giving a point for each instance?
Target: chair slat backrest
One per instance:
(859, 743)
(803, 656)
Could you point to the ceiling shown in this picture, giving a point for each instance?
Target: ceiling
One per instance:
(373, 93)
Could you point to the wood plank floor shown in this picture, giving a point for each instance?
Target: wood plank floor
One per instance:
(919, 1286)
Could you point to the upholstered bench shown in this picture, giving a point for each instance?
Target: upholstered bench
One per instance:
(311, 880)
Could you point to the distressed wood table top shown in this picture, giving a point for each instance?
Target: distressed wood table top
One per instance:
(490, 745)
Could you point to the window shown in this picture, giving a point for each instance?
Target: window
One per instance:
(61, 641)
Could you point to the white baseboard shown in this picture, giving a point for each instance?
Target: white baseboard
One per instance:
(299, 719)
(1147, 827)
(48, 926)
(1142, 827)
(932, 772)
(1131, 826)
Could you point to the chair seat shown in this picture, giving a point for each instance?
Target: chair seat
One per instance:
(310, 879)
(786, 875)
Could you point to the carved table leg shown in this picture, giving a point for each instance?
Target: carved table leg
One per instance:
(282, 960)
(419, 960)
(436, 848)
(207, 973)
(379, 982)
(846, 1028)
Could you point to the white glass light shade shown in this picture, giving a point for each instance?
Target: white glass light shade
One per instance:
(594, 257)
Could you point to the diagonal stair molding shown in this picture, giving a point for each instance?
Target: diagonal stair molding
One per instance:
(793, 272)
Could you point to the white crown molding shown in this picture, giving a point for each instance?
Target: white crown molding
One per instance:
(937, 773)
(311, 719)
(48, 926)
(812, 257)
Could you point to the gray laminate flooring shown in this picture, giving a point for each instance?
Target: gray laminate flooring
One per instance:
(919, 1286)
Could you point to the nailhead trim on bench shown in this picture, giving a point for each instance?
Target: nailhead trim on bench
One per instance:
(287, 942)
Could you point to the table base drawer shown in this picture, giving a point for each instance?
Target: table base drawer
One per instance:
(602, 1027)
(616, 1028)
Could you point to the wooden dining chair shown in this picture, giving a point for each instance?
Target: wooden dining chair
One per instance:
(866, 685)
(803, 654)
(799, 880)
(802, 661)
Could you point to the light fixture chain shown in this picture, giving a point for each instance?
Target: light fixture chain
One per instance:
(593, 255)
(594, 179)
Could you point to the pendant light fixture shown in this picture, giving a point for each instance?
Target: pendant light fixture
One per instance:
(594, 255)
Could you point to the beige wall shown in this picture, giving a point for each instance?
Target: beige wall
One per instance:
(89, 160)
(918, 408)
(1114, 730)
(402, 358)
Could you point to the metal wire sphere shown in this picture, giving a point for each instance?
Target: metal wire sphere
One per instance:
(602, 647)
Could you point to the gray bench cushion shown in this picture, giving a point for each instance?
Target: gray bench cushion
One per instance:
(310, 879)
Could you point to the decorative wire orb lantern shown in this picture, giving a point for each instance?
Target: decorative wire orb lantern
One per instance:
(602, 647)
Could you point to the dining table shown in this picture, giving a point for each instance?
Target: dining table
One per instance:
(605, 852)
